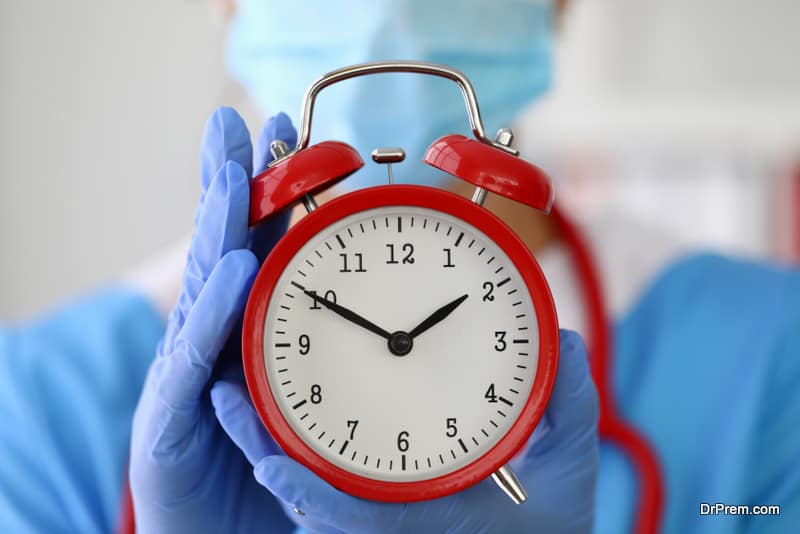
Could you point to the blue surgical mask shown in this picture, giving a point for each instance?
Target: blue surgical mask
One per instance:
(277, 49)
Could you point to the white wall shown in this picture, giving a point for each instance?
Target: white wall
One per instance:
(102, 105)
(682, 114)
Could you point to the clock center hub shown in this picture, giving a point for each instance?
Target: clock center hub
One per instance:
(400, 343)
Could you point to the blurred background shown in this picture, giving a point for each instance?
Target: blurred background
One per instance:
(684, 116)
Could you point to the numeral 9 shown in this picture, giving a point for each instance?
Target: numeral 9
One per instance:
(305, 344)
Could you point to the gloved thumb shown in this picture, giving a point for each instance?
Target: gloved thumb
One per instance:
(241, 422)
(573, 402)
(299, 488)
(573, 409)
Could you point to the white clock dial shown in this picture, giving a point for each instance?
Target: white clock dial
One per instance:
(387, 415)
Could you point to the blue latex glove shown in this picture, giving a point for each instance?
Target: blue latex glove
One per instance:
(185, 474)
(558, 468)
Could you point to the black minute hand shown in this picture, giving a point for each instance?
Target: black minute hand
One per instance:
(437, 316)
(344, 312)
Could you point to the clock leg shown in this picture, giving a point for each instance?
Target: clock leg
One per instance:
(509, 483)
(479, 196)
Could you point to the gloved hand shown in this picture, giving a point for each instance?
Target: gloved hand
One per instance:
(558, 468)
(185, 473)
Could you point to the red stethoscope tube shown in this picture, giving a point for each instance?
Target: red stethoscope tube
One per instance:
(598, 341)
(611, 427)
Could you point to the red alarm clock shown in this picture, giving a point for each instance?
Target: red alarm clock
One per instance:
(401, 341)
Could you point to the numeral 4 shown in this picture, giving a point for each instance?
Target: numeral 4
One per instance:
(490, 394)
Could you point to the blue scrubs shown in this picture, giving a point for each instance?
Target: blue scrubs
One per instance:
(68, 386)
(707, 366)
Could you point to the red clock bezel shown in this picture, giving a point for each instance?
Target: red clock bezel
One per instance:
(311, 225)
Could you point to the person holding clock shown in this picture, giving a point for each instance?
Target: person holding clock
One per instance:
(710, 336)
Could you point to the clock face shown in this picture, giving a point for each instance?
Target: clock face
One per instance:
(400, 343)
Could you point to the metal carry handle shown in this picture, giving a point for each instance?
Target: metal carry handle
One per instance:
(380, 67)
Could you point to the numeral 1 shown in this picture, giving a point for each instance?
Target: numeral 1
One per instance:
(448, 254)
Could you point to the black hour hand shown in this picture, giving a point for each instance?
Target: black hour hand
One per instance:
(437, 316)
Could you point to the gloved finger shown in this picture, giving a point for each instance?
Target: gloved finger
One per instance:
(297, 487)
(264, 236)
(186, 371)
(277, 127)
(240, 421)
(225, 139)
(221, 226)
(573, 407)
